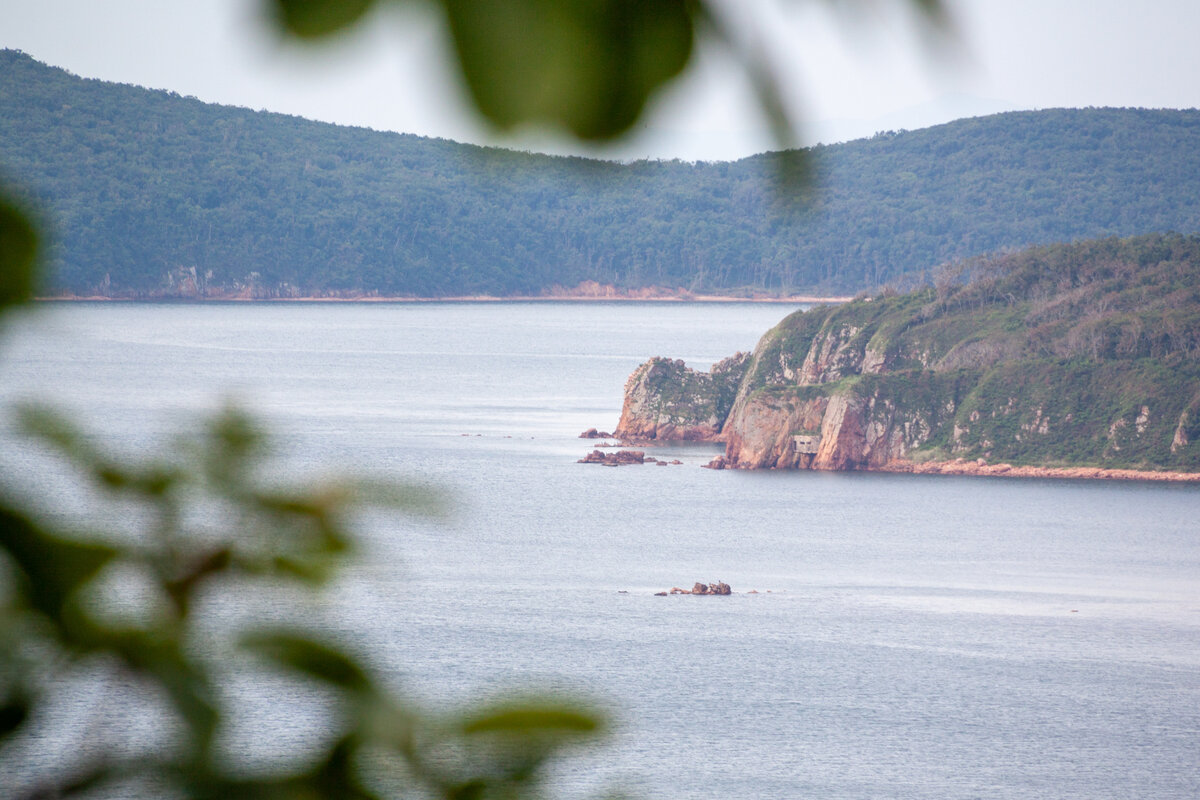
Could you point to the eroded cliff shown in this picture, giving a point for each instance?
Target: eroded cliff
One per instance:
(1075, 355)
(665, 399)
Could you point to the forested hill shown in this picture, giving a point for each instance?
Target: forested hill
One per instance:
(149, 193)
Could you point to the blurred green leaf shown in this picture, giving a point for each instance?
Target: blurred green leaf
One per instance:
(233, 445)
(161, 656)
(311, 569)
(587, 65)
(301, 654)
(411, 498)
(511, 742)
(934, 10)
(180, 588)
(314, 18)
(334, 777)
(337, 776)
(533, 718)
(55, 568)
(57, 429)
(18, 255)
(12, 714)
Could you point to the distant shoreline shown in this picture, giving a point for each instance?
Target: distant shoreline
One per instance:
(568, 298)
(973, 468)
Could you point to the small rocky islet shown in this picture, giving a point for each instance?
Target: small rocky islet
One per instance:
(622, 458)
(717, 589)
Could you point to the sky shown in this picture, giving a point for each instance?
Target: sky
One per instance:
(846, 74)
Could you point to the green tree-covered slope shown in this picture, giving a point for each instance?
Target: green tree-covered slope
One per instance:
(147, 193)
(1085, 354)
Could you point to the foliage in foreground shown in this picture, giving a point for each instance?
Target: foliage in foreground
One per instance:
(213, 525)
(208, 522)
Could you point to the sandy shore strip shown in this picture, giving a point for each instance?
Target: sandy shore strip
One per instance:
(1009, 471)
(631, 298)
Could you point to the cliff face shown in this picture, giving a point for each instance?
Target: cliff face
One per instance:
(1069, 356)
(666, 400)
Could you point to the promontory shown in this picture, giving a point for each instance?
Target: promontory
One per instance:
(1071, 356)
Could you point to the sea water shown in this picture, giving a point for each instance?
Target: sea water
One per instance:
(911, 636)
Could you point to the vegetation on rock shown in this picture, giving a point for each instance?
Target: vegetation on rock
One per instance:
(664, 399)
(1068, 354)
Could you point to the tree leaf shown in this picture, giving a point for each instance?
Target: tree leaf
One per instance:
(534, 718)
(18, 255)
(587, 65)
(12, 714)
(161, 656)
(310, 19)
(311, 658)
(55, 567)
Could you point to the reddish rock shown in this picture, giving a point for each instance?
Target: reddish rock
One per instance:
(717, 463)
(617, 459)
(718, 588)
(667, 401)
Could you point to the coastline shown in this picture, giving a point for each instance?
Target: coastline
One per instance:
(961, 467)
(549, 298)
(956, 467)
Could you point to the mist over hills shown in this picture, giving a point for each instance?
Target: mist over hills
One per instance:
(149, 194)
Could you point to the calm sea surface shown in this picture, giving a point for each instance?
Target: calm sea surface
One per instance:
(913, 636)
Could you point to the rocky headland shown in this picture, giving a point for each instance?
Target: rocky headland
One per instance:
(1078, 360)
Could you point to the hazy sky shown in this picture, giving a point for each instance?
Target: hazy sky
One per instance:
(846, 76)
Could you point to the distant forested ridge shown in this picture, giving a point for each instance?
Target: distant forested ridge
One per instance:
(150, 194)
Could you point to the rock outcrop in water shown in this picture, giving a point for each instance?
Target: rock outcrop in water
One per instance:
(718, 589)
(618, 459)
(1084, 355)
(665, 400)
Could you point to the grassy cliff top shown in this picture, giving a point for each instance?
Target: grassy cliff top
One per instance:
(1098, 300)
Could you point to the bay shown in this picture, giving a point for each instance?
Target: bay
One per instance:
(913, 636)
